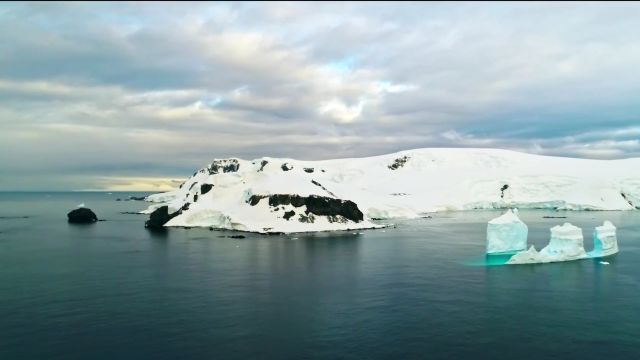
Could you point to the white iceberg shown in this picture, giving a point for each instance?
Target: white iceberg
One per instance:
(506, 233)
(530, 256)
(605, 242)
(566, 244)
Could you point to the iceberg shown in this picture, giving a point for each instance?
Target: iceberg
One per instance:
(530, 256)
(566, 244)
(605, 242)
(506, 234)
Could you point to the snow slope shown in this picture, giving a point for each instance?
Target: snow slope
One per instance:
(405, 184)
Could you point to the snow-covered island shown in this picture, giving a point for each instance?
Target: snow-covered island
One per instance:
(285, 195)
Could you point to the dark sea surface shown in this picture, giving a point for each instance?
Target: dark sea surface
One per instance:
(113, 290)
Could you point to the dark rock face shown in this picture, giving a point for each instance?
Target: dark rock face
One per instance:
(624, 196)
(318, 205)
(286, 167)
(204, 188)
(502, 189)
(82, 216)
(398, 163)
(310, 219)
(263, 163)
(255, 199)
(337, 219)
(284, 199)
(160, 217)
(224, 165)
(326, 206)
(289, 214)
(322, 187)
(308, 170)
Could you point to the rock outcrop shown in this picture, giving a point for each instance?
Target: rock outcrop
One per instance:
(82, 216)
(317, 205)
(159, 217)
(204, 188)
(223, 166)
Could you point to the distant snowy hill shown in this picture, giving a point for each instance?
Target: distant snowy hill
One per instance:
(287, 195)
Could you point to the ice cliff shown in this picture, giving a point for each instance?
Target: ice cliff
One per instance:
(605, 242)
(506, 233)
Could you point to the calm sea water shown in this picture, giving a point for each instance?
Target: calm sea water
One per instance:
(113, 290)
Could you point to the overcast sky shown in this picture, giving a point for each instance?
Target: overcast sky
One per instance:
(120, 95)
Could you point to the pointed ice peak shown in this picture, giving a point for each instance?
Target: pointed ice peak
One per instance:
(530, 256)
(510, 216)
(506, 233)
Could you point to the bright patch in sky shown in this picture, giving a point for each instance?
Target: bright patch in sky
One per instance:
(344, 65)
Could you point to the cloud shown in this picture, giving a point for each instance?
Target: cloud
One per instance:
(97, 90)
(342, 112)
(134, 184)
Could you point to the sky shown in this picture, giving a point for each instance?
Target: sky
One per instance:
(124, 96)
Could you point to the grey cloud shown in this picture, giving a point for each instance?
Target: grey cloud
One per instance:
(96, 91)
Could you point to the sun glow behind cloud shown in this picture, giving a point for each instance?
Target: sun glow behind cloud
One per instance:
(135, 184)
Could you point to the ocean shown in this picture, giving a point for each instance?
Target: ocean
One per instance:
(417, 289)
